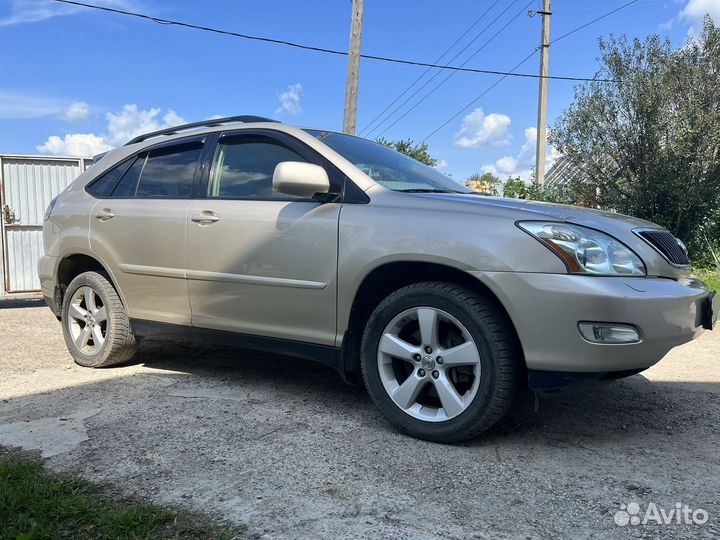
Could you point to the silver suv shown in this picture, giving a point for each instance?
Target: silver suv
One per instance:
(337, 249)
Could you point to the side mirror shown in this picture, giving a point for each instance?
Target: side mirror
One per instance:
(301, 179)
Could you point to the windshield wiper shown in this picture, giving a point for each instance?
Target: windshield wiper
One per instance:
(426, 190)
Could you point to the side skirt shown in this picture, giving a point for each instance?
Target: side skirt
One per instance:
(323, 354)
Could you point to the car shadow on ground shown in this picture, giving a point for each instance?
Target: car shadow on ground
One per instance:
(629, 408)
(19, 303)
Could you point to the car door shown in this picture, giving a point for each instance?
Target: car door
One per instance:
(140, 228)
(260, 262)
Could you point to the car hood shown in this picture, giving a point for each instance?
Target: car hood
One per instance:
(563, 212)
(619, 226)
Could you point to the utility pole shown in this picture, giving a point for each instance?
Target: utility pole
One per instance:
(542, 95)
(353, 70)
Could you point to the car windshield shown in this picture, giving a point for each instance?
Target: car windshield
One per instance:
(387, 167)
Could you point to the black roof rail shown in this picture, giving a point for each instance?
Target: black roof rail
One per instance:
(203, 123)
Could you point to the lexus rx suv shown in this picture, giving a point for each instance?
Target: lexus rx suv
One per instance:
(337, 249)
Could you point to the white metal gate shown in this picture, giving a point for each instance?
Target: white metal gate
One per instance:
(28, 184)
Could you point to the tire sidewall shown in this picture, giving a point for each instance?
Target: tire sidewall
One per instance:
(395, 304)
(95, 281)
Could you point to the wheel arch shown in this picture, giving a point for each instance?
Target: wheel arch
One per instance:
(71, 266)
(385, 279)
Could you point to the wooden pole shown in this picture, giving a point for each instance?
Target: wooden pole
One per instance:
(542, 95)
(353, 70)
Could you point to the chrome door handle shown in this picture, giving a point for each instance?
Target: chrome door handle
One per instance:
(104, 214)
(205, 217)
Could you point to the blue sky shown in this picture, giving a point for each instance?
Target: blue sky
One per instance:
(79, 81)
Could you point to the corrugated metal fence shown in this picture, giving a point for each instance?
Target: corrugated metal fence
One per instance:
(28, 184)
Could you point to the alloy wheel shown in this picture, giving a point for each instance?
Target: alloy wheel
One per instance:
(87, 320)
(429, 364)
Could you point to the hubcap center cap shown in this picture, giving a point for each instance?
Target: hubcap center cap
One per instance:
(428, 363)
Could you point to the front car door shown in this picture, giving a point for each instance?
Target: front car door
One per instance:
(139, 228)
(261, 262)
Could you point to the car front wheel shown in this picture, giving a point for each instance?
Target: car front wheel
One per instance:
(440, 361)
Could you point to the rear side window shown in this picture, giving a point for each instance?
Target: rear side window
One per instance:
(166, 172)
(169, 172)
(102, 187)
(128, 184)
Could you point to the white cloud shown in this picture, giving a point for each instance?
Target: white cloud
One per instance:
(523, 163)
(489, 169)
(23, 105)
(442, 164)
(290, 100)
(479, 130)
(131, 121)
(121, 127)
(506, 164)
(694, 14)
(77, 111)
(30, 11)
(75, 144)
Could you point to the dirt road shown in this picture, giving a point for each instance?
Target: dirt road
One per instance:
(284, 447)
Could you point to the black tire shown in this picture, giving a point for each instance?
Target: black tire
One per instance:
(494, 337)
(119, 345)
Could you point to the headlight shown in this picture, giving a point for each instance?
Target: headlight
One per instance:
(586, 251)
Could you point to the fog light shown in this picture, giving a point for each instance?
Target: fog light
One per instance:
(608, 333)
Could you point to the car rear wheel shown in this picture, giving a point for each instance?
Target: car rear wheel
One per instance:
(95, 325)
(440, 361)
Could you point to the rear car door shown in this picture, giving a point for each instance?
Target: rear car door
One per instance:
(139, 228)
(261, 262)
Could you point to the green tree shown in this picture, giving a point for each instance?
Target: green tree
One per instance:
(408, 147)
(515, 188)
(484, 183)
(648, 143)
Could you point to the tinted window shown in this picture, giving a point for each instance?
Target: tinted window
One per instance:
(169, 172)
(103, 185)
(128, 183)
(244, 168)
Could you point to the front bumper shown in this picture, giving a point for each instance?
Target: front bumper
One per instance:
(546, 310)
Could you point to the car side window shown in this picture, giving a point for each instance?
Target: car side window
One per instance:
(244, 167)
(128, 183)
(169, 172)
(103, 186)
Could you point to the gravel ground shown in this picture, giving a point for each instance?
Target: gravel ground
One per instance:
(285, 448)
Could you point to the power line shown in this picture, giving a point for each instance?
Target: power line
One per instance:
(563, 10)
(585, 25)
(454, 116)
(437, 86)
(171, 22)
(566, 34)
(427, 70)
(435, 75)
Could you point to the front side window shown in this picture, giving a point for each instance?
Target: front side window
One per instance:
(387, 167)
(244, 167)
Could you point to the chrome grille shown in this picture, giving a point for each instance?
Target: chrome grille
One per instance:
(667, 245)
